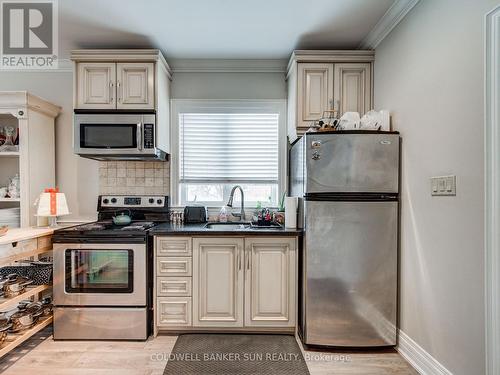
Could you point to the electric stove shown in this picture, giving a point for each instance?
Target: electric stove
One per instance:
(103, 272)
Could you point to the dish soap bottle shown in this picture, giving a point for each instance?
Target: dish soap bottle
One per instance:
(223, 214)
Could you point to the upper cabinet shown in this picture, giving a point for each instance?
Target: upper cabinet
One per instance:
(96, 86)
(136, 79)
(115, 85)
(318, 81)
(352, 87)
(135, 85)
(315, 90)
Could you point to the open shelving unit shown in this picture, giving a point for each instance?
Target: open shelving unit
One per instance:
(15, 339)
(34, 121)
(9, 303)
(35, 292)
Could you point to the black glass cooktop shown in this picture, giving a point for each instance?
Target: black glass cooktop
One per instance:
(99, 226)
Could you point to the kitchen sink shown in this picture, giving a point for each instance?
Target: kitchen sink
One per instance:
(228, 226)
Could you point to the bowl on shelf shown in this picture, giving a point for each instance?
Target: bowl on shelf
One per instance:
(3, 230)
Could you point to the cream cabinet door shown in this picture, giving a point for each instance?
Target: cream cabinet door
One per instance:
(218, 282)
(135, 85)
(270, 282)
(352, 87)
(96, 85)
(314, 92)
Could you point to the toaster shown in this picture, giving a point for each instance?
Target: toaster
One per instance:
(195, 214)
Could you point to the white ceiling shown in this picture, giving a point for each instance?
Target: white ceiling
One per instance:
(225, 29)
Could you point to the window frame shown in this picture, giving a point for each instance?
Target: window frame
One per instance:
(225, 106)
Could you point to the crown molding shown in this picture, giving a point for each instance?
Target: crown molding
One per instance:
(19, 100)
(398, 10)
(119, 55)
(327, 56)
(228, 65)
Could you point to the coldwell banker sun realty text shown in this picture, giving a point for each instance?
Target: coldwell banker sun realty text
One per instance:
(29, 34)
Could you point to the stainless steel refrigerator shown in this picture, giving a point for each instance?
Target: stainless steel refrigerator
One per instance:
(348, 189)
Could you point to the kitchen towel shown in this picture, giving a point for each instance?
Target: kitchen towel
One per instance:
(291, 212)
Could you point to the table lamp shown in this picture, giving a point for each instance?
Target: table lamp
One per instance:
(52, 203)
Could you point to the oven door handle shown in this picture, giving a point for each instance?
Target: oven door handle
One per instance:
(139, 136)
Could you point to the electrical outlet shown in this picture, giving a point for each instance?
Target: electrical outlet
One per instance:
(444, 185)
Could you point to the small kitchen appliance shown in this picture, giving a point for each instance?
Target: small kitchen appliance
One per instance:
(116, 136)
(347, 184)
(103, 272)
(195, 214)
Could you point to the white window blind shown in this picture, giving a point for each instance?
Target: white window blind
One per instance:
(228, 147)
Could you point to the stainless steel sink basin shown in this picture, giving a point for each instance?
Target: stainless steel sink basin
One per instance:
(228, 226)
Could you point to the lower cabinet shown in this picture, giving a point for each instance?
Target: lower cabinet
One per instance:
(173, 311)
(218, 282)
(236, 282)
(270, 279)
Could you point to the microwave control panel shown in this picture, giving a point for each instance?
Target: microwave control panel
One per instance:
(148, 136)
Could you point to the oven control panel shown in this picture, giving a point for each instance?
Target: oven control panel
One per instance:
(120, 201)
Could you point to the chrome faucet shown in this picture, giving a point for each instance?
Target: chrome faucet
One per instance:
(241, 215)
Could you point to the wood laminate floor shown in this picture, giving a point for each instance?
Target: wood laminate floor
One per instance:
(42, 356)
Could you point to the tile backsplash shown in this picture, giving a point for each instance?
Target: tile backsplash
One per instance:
(134, 177)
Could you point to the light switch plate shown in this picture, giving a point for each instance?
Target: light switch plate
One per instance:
(444, 185)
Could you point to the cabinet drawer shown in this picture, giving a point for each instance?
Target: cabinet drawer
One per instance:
(173, 266)
(24, 246)
(173, 247)
(45, 243)
(173, 311)
(18, 247)
(174, 286)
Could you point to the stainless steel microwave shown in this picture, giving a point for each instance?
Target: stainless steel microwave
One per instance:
(116, 136)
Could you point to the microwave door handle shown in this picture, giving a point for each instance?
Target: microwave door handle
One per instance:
(139, 136)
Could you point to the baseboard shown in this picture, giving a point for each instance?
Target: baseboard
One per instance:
(421, 361)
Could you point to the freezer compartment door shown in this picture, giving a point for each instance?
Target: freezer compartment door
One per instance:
(352, 163)
(350, 273)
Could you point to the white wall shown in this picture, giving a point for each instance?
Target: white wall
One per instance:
(79, 177)
(229, 86)
(75, 176)
(429, 73)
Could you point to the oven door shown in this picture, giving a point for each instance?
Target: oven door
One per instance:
(100, 274)
(114, 134)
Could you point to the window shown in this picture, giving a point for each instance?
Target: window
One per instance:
(226, 143)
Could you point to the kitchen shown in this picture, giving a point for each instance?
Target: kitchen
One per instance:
(201, 280)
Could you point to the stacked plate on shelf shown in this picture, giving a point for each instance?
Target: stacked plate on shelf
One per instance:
(10, 217)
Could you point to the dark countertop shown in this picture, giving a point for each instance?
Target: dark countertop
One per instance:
(169, 229)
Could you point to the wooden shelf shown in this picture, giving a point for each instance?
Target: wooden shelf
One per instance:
(9, 154)
(15, 339)
(8, 303)
(23, 255)
(10, 199)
